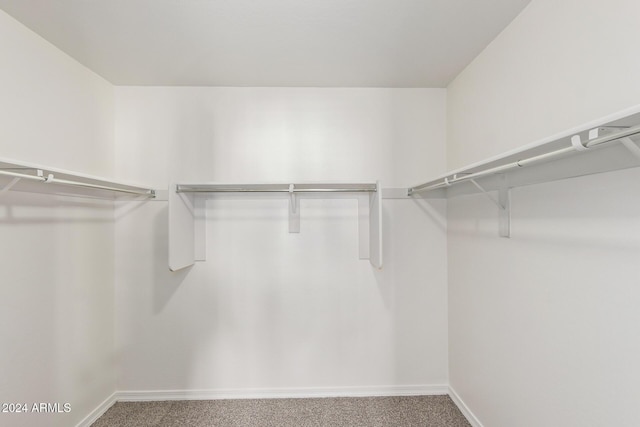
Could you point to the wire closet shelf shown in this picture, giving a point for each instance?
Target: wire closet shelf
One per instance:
(24, 177)
(276, 188)
(574, 145)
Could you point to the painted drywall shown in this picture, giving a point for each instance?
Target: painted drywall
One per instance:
(329, 43)
(57, 261)
(270, 310)
(558, 65)
(542, 325)
(54, 111)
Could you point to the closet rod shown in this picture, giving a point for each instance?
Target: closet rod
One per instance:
(51, 179)
(23, 176)
(147, 193)
(264, 188)
(525, 162)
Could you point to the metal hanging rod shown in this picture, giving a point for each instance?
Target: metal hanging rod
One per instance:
(275, 188)
(576, 146)
(51, 179)
(23, 176)
(148, 193)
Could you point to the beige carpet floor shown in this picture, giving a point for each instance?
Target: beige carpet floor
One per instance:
(424, 411)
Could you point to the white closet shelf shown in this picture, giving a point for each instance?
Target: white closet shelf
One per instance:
(576, 152)
(187, 214)
(604, 145)
(276, 188)
(27, 177)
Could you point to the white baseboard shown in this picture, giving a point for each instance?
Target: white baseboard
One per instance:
(278, 393)
(473, 420)
(268, 393)
(99, 411)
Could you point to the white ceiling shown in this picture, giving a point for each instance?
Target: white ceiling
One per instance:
(353, 43)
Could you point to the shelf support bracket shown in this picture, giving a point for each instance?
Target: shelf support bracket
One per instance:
(200, 228)
(486, 193)
(631, 146)
(7, 187)
(294, 211)
(504, 199)
(503, 203)
(364, 210)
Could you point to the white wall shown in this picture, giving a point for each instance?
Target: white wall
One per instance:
(557, 65)
(57, 261)
(542, 325)
(269, 309)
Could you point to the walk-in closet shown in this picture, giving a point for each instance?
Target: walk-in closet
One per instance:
(319, 213)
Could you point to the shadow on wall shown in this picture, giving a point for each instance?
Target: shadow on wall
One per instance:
(266, 324)
(432, 212)
(29, 208)
(597, 211)
(58, 294)
(384, 276)
(165, 282)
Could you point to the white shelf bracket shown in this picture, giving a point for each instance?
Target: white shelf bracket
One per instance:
(631, 146)
(182, 230)
(576, 142)
(294, 211)
(370, 226)
(364, 231)
(375, 227)
(7, 187)
(626, 141)
(200, 228)
(486, 193)
(503, 203)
